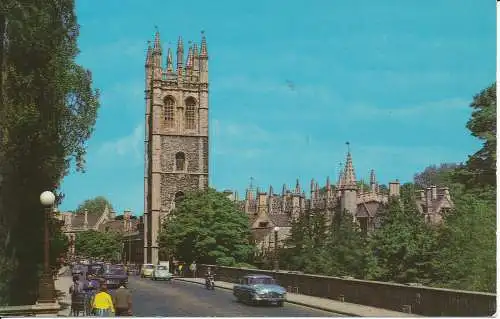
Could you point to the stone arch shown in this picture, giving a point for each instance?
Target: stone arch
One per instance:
(190, 113)
(169, 110)
(180, 161)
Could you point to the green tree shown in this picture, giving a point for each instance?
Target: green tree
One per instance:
(480, 168)
(95, 205)
(346, 252)
(94, 244)
(207, 227)
(48, 111)
(403, 245)
(435, 175)
(59, 243)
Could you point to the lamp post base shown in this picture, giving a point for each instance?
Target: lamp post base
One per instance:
(46, 289)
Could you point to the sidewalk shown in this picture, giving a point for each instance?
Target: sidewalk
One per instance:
(62, 284)
(343, 308)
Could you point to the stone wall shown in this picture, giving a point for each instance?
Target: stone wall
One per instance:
(424, 301)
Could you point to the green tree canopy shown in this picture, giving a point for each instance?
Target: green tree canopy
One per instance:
(480, 168)
(94, 244)
(47, 114)
(435, 175)
(208, 228)
(95, 205)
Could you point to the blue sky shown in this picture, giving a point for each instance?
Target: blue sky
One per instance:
(394, 78)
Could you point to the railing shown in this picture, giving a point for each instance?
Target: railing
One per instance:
(420, 300)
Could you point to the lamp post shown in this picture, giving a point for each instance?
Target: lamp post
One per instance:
(276, 262)
(46, 289)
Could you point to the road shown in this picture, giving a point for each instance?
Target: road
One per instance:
(179, 299)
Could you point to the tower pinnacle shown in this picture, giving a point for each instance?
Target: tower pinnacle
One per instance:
(349, 178)
(203, 51)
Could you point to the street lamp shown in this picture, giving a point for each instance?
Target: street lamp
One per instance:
(46, 289)
(276, 262)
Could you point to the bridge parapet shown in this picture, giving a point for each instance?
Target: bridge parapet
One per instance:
(422, 300)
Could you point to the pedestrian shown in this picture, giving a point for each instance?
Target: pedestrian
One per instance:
(77, 297)
(180, 270)
(102, 304)
(123, 301)
(192, 267)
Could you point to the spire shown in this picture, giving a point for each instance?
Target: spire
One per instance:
(283, 190)
(180, 53)
(316, 187)
(328, 186)
(312, 185)
(170, 61)
(203, 51)
(270, 190)
(297, 187)
(349, 177)
(149, 55)
(340, 181)
(373, 179)
(189, 59)
(157, 45)
(196, 59)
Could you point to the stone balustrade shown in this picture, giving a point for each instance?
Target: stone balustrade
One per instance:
(415, 299)
(37, 310)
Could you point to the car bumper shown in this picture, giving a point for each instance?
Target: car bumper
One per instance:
(147, 274)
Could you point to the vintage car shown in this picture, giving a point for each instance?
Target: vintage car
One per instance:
(115, 276)
(160, 272)
(256, 289)
(147, 270)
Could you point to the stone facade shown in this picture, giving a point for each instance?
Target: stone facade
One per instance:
(267, 210)
(176, 143)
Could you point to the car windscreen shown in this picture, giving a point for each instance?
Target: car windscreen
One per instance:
(115, 271)
(261, 281)
(161, 268)
(148, 267)
(95, 269)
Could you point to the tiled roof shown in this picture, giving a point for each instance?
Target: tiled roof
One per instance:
(78, 219)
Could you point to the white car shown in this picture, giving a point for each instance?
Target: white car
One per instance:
(160, 272)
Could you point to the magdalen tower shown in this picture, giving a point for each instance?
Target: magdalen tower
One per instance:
(176, 143)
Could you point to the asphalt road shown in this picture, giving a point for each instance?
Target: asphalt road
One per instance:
(178, 299)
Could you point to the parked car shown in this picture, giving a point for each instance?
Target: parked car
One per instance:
(96, 269)
(257, 289)
(115, 277)
(160, 272)
(147, 270)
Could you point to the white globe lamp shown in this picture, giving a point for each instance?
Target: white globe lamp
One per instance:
(47, 198)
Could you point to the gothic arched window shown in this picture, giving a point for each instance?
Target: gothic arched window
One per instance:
(180, 161)
(169, 111)
(190, 113)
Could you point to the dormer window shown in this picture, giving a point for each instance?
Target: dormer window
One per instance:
(263, 224)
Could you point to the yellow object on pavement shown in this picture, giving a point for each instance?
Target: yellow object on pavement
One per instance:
(103, 301)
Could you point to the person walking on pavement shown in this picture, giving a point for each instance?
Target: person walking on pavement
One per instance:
(192, 267)
(180, 270)
(102, 304)
(123, 301)
(77, 297)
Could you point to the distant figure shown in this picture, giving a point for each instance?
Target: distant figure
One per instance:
(180, 270)
(123, 301)
(192, 267)
(103, 302)
(77, 297)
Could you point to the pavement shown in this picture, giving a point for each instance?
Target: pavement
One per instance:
(62, 284)
(335, 308)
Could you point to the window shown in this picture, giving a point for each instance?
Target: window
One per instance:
(180, 161)
(169, 111)
(263, 224)
(190, 113)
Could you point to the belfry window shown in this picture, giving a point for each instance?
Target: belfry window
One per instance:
(190, 115)
(180, 161)
(169, 111)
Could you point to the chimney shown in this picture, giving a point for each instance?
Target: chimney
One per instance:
(126, 219)
(446, 193)
(394, 188)
(434, 192)
(112, 215)
(85, 221)
(420, 194)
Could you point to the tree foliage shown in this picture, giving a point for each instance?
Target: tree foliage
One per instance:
(47, 113)
(208, 228)
(95, 205)
(94, 244)
(441, 175)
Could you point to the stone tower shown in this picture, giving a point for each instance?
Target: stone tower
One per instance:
(348, 187)
(176, 133)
